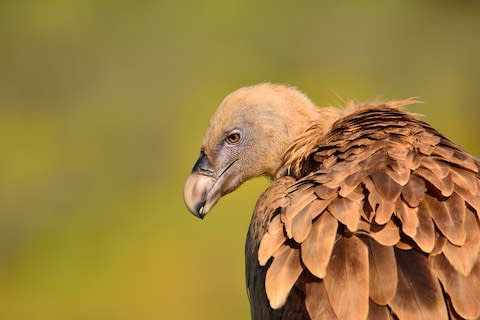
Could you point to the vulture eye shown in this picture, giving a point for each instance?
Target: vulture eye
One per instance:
(233, 138)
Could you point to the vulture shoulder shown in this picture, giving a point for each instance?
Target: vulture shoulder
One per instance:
(377, 219)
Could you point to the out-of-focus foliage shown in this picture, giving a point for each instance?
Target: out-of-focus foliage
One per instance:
(102, 108)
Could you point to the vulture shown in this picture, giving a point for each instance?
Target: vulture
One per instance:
(371, 213)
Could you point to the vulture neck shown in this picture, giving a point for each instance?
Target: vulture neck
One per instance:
(305, 136)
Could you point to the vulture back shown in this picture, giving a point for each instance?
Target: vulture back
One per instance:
(377, 219)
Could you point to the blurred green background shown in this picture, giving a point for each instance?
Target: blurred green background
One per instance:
(103, 105)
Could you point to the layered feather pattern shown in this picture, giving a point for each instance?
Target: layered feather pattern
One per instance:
(377, 219)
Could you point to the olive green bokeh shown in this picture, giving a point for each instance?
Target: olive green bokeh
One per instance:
(103, 105)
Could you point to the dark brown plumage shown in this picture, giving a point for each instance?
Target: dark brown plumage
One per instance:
(371, 214)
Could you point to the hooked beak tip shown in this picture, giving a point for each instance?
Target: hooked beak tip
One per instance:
(199, 211)
(196, 193)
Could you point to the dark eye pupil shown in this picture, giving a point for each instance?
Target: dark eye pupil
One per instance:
(233, 138)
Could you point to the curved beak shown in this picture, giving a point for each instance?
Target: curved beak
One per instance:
(203, 188)
(195, 193)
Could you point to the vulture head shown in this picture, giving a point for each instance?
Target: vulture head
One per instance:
(247, 137)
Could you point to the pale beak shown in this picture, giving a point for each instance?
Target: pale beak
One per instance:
(202, 190)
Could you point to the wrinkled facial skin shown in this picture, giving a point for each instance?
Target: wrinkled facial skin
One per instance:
(217, 171)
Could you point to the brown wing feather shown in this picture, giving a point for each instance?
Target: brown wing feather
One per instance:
(269, 245)
(463, 291)
(419, 295)
(369, 224)
(346, 211)
(408, 217)
(316, 250)
(414, 191)
(464, 258)
(281, 276)
(347, 279)
(387, 234)
(317, 302)
(449, 217)
(383, 272)
(425, 236)
(387, 188)
(376, 312)
(302, 223)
